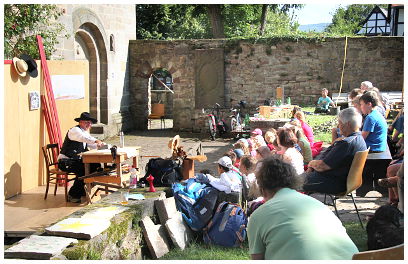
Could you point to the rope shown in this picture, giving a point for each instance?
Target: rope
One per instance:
(342, 72)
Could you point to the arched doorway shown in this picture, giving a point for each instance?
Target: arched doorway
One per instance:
(161, 95)
(90, 45)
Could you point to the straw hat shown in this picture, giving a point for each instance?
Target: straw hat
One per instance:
(20, 66)
(174, 143)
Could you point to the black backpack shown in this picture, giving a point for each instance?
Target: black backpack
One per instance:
(165, 172)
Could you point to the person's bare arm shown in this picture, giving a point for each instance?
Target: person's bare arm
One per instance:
(365, 134)
(319, 165)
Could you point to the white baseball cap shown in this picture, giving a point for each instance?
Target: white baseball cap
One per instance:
(225, 162)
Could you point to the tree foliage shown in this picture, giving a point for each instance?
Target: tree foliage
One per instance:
(22, 22)
(212, 21)
(347, 21)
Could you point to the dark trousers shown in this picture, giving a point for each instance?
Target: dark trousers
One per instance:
(76, 166)
(374, 169)
(323, 183)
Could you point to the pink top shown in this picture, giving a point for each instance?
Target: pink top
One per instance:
(307, 130)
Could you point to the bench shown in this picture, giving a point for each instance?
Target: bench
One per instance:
(341, 100)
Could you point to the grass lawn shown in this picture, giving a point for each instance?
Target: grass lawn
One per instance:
(200, 251)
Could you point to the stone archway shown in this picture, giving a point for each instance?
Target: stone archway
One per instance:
(90, 44)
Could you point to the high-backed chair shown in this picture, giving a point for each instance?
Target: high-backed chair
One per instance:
(391, 253)
(55, 175)
(354, 180)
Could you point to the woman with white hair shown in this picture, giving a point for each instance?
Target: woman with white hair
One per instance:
(366, 85)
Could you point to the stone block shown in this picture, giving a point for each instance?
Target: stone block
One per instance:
(180, 233)
(155, 236)
(166, 209)
(81, 228)
(38, 247)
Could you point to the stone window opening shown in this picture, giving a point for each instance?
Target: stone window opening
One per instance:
(161, 81)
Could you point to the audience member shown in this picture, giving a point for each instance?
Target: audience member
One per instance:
(270, 137)
(355, 92)
(247, 167)
(239, 153)
(228, 181)
(291, 225)
(324, 102)
(242, 144)
(262, 152)
(381, 107)
(303, 144)
(286, 141)
(366, 85)
(307, 130)
(231, 154)
(329, 173)
(397, 126)
(256, 140)
(391, 183)
(294, 110)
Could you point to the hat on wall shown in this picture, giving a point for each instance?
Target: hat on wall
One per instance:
(20, 66)
(225, 162)
(32, 65)
(86, 116)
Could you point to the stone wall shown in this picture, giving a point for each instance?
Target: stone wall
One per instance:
(252, 71)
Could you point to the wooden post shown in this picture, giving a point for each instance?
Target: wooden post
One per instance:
(188, 169)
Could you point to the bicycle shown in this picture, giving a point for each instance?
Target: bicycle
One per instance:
(215, 122)
(236, 115)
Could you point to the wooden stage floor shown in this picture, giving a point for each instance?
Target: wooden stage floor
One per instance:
(28, 212)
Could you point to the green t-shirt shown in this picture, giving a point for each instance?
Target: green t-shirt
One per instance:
(292, 225)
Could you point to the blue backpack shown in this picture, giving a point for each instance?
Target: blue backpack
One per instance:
(227, 227)
(196, 202)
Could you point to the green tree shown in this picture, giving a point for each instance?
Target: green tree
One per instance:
(22, 22)
(212, 21)
(347, 21)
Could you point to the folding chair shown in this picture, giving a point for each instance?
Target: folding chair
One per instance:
(354, 180)
(391, 253)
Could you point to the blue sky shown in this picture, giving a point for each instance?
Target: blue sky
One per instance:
(316, 13)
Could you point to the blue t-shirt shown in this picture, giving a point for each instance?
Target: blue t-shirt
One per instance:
(324, 102)
(377, 126)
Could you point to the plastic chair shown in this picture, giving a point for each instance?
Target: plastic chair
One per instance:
(55, 175)
(391, 253)
(354, 180)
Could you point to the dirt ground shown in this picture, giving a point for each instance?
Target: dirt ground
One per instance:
(154, 143)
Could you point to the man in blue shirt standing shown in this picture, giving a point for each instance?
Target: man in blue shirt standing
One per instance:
(324, 102)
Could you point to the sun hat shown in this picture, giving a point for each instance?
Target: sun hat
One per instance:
(239, 153)
(225, 162)
(86, 116)
(257, 131)
(20, 66)
(32, 65)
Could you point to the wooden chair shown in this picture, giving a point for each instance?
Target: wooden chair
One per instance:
(354, 180)
(391, 253)
(55, 175)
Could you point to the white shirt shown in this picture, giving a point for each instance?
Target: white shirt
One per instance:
(228, 182)
(78, 134)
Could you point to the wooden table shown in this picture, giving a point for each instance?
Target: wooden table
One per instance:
(104, 156)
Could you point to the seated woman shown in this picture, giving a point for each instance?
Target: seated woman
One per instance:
(391, 182)
(291, 225)
(228, 181)
(374, 132)
(262, 152)
(286, 141)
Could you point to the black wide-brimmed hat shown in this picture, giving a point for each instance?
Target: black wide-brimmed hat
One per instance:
(32, 65)
(86, 116)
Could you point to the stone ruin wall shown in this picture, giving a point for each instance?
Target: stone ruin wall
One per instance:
(253, 71)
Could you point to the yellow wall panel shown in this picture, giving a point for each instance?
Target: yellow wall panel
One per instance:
(24, 130)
